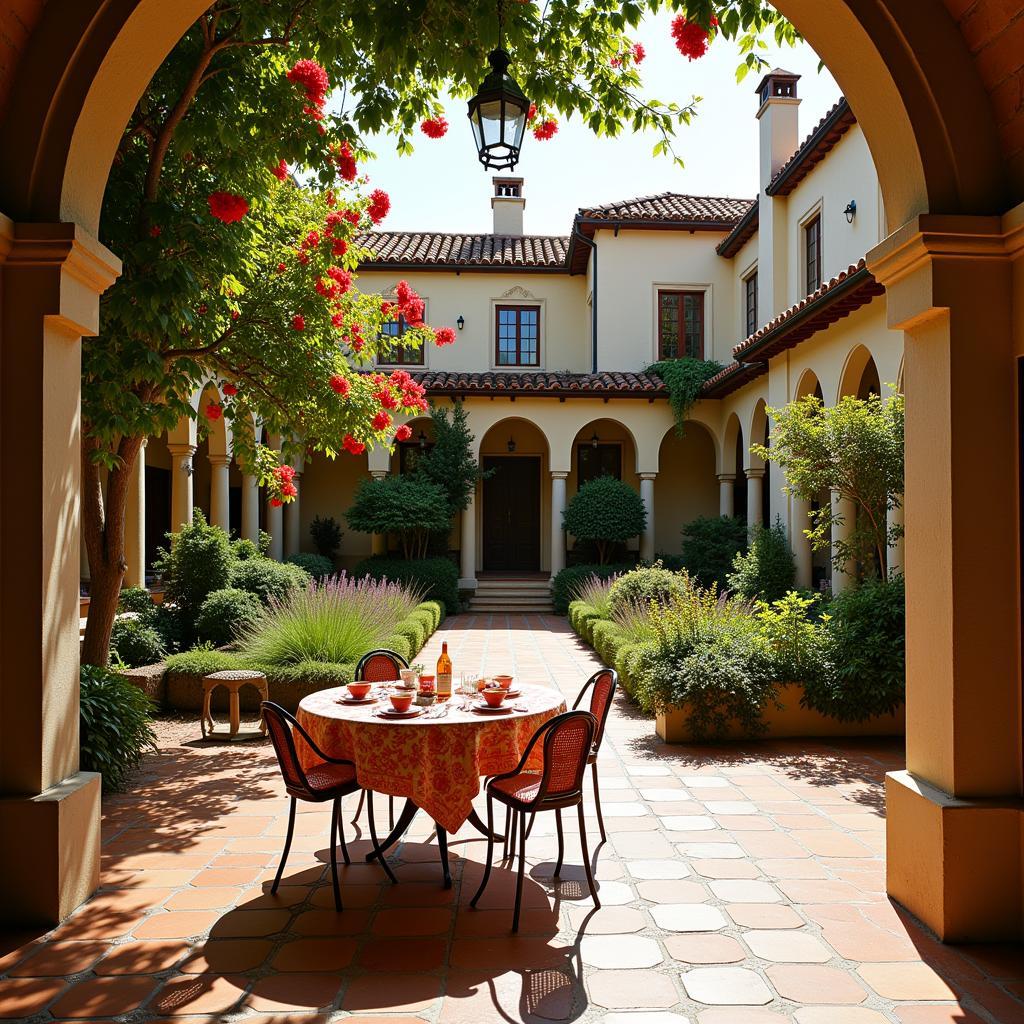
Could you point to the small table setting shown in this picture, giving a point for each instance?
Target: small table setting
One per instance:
(407, 740)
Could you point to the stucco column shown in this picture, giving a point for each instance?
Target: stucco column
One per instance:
(181, 484)
(647, 497)
(844, 509)
(275, 527)
(802, 554)
(726, 495)
(557, 531)
(292, 520)
(51, 277)
(135, 524)
(955, 817)
(250, 508)
(219, 491)
(378, 541)
(467, 545)
(755, 496)
(893, 518)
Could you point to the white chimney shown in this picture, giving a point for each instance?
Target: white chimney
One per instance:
(779, 121)
(508, 204)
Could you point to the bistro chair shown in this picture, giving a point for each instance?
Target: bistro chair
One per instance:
(330, 779)
(380, 666)
(568, 740)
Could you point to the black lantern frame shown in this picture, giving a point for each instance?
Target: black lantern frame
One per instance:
(497, 114)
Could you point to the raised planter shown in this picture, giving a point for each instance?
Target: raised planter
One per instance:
(793, 721)
(184, 692)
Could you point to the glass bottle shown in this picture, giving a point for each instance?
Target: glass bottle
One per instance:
(444, 673)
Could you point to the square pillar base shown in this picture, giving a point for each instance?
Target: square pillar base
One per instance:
(50, 856)
(958, 865)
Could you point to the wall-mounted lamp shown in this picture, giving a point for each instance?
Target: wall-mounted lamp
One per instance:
(851, 211)
(461, 322)
(511, 445)
(422, 438)
(595, 440)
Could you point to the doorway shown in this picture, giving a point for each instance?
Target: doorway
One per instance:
(511, 513)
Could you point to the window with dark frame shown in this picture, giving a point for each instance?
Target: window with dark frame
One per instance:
(750, 298)
(680, 324)
(399, 355)
(517, 336)
(812, 251)
(593, 461)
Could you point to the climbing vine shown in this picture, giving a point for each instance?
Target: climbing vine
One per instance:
(684, 379)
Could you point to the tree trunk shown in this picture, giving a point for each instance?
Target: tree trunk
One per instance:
(103, 531)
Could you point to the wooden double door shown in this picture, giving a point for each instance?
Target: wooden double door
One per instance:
(511, 513)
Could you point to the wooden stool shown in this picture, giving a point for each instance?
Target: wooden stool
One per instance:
(234, 680)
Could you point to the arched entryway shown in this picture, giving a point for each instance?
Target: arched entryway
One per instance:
(955, 851)
(686, 486)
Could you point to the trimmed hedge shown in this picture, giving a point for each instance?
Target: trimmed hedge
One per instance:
(437, 578)
(563, 586)
(400, 645)
(316, 565)
(631, 663)
(608, 638)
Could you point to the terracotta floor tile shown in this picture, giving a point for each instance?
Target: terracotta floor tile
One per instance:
(688, 917)
(418, 921)
(548, 994)
(531, 922)
(104, 997)
(704, 949)
(946, 1013)
(199, 993)
(838, 1015)
(330, 922)
(671, 891)
(866, 942)
(733, 986)
(207, 898)
(509, 950)
(789, 946)
(226, 876)
(227, 956)
(415, 954)
(813, 891)
(815, 984)
(239, 923)
(743, 891)
(321, 954)
(905, 981)
(57, 959)
(639, 990)
(746, 1015)
(25, 997)
(176, 924)
(608, 952)
(289, 992)
(391, 993)
(146, 956)
(725, 868)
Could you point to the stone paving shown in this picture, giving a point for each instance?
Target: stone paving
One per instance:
(740, 885)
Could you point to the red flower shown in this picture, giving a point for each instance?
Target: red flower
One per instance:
(282, 267)
(386, 308)
(352, 446)
(341, 278)
(379, 205)
(638, 52)
(386, 399)
(289, 490)
(531, 113)
(381, 421)
(434, 127)
(357, 344)
(284, 473)
(339, 385)
(413, 312)
(546, 129)
(299, 322)
(228, 207)
(312, 240)
(230, 390)
(404, 293)
(313, 79)
(353, 217)
(403, 433)
(281, 170)
(154, 231)
(213, 411)
(444, 336)
(330, 198)
(691, 37)
(339, 247)
(276, 502)
(203, 309)
(235, 314)
(346, 162)
(616, 62)
(338, 320)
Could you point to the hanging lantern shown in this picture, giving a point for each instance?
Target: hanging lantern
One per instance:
(498, 111)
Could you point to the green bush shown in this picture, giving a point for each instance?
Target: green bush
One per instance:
(608, 638)
(576, 608)
(409, 505)
(201, 661)
(643, 585)
(267, 579)
(316, 565)
(135, 642)
(632, 664)
(197, 561)
(437, 579)
(326, 534)
(606, 511)
(115, 725)
(865, 669)
(435, 610)
(566, 583)
(768, 569)
(224, 613)
(245, 550)
(414, 632)
(172, 624)
(400, 645)
(135, 599)
(710, 543)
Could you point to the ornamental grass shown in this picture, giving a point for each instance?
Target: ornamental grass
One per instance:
(335, 621)
(596, 592)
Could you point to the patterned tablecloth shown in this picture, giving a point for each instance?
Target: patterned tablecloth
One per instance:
(437, 762)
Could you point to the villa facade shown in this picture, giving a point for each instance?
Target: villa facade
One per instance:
(555, 335)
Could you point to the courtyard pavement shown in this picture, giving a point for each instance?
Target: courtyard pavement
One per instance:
(739, 885)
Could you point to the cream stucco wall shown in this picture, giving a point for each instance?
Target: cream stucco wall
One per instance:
(326, 489)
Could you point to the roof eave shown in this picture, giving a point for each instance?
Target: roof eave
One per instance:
(783, 183)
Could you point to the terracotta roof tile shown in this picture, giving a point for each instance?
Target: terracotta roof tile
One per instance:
(671, 207)
(745, 229)
(828, 131)
(540, 382)
(437, 249)
(731, 378)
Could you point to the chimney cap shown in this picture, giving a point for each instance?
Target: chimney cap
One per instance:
(506, 187)
(780, 73)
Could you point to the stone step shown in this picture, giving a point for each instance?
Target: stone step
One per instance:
(504, 609)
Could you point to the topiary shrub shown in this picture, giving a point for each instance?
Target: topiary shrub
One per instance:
(606, 511)
(567, 582)
(767, 570)
(316, 565)
(633, 663)
(608, 638)
(115, 725)
(197, 561)
(643, 585)
(135, 642)
(135, 599)
(710, 543)
(407, 504)
(436, 611)
(326, 534)
(400, 645)
(414, 632)
(245, 550)
(437, 579)
(268, 579)
(224, 612)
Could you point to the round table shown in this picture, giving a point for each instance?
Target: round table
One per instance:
(435, 760)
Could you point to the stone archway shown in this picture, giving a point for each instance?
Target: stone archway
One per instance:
(955, 838)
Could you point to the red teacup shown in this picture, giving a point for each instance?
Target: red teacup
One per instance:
(503, 681)
(358, 690)
(401, 701)
(494, 697)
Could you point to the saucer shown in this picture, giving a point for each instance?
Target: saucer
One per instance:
(486, 709)
(368, 699)
(392, 713)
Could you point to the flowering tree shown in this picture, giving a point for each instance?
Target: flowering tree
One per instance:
(234, 272)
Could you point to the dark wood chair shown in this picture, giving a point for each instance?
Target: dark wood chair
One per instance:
(568, 741)
(601, 686)
(380, 666)
(329, 779)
